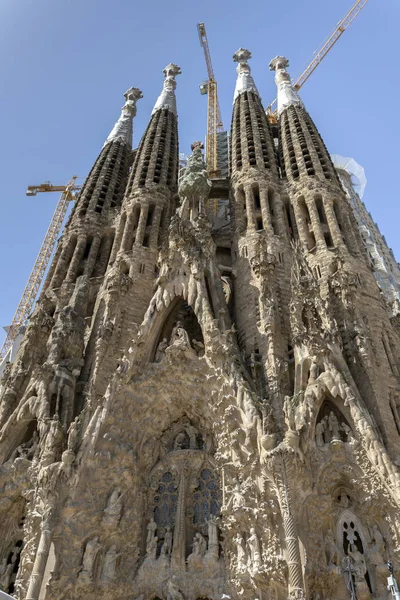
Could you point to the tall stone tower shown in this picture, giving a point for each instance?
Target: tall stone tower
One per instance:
(205, 409)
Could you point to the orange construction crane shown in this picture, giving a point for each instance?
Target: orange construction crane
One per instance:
(214, 119)
(323, 50)
(28, 298)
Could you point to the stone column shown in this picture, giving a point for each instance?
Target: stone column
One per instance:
(76, 259)
(332, 223)
(178, 550)
(266, 216)
(279, 465)
(39, 565)
(319, 236)
(142, 225)
(126, 243)
(249, 196)
(91, 259)
(302, 226)
(63, 264)
(153, 242)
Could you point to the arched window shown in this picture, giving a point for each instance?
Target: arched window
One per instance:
(165, 500)
(206, 501)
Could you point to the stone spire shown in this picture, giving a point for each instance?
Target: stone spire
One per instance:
(287, 95)
(123, 129)
(167, 97)
(245, 81)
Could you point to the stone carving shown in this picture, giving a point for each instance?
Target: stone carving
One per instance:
(167, 545)
(112, 512)
(173, 592)
(92, 549)
(254, 552)
(108, 573)
(151, 530)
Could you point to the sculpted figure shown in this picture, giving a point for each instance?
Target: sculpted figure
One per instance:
(241, 552)
(212, 531)
(313, 371)
(173, 592)
(377, 553)
(73, 435)
(319, 434)
(151, 530)
(347, 431)
(331, 550)
(359, 562)
(237, 498)
(151, 548)
(179, 336)
(92, 549)
(110, 564)
(167, 545)
(5, 574)
(112, 512)
(333, 426)
(289, 413)
(180, 441)
(161, 350)
(254, 549)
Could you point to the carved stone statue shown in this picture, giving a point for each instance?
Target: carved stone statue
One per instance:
(331, 550)
(92, 549)
(151, 548)
(151, 530)
(161, 350)
(319, 434)
(173, 592)
(347, 431)
(167, 545)
(5, 575)
(241, 556)
(110, 564)
(253, 545)
(333, 426)
(199, 545)
(289, 413)
(359, 563)
(112, 512)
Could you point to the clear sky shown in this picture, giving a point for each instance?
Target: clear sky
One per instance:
(65, 65)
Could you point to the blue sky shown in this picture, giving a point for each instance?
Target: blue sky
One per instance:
(66, 64)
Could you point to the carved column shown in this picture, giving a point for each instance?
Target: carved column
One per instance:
(279, 466)
(178, 549)
(142, 225)
(39, 566)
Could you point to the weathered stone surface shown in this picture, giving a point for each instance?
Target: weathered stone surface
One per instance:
(198, 413)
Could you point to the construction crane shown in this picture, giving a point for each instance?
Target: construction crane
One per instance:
(323, 51)
(28, 298)
(214, 119)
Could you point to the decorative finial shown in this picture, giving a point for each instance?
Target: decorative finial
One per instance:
(287, 95)
(122, 130)
(197, 145)
(167, 97)
(245, 82)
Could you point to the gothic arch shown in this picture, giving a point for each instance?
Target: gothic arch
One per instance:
(161, 323)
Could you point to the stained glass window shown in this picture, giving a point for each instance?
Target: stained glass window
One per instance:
(165, 500)
(206, 497)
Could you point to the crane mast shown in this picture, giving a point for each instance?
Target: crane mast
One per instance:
(214, 119)
(32, 287)
(323, 50)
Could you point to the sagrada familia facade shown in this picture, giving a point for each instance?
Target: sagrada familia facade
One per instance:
(205, 408)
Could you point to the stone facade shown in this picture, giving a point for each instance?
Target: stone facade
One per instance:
(205, 410)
